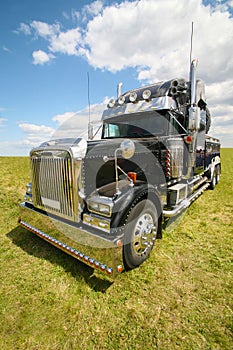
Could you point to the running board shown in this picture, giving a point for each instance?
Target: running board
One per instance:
(185, 203)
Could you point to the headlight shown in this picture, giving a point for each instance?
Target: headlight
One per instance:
(105, 209)
(29, 188)
(28, 195)
(93, 206)
(100, 208)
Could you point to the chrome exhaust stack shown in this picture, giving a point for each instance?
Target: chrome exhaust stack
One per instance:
(119, 90)
(194, 110)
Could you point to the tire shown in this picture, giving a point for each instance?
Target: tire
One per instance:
(140, 233)
(213, 181)
(218, 173)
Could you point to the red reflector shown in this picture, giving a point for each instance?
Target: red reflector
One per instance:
(188, 139)
(132, 176)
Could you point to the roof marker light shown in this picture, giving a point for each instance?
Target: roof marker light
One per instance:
(111, 103)
(133, 96)
(121, 100)
(146, 94)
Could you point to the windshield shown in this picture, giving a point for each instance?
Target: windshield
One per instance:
(136, 125)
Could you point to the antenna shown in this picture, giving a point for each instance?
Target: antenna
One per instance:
(191, 46)
(90, 129)
(88, 98)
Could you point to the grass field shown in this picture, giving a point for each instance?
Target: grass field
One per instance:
(181, 298)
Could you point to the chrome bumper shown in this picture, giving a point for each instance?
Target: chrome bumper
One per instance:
(92, 249)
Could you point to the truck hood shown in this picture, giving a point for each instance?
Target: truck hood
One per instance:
(76, 147)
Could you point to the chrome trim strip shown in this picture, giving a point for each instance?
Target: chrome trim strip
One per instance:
(90, 248)
(66, 248)
(93, 221)
(158, 103)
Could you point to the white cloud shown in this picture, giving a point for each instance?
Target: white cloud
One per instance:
(75, 15)
(154, 38)
(88, 11)
(65, 15)
(41, 57)
(35, 134)
(45, 30)
(33, 128)
(2, 122)
(6, 49)
(16, 148)
(220, 93)
(69, 124)
(24, 28)
(94, 8)
(66, 42)
(62, 118)
(75, 124)
(219, 98)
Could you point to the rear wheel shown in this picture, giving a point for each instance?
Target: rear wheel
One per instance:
(218, 172)
(213, 180)
(215, 177)
(140, 234)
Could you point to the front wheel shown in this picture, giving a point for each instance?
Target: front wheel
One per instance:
(140, 233)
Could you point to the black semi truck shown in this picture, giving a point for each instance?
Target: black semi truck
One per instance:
(104, 201)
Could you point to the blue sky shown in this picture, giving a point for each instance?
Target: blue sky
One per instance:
(47, 48)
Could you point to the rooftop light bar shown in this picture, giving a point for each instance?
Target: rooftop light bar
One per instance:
(172, 88)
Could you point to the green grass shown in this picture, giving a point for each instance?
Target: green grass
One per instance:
(181, 298)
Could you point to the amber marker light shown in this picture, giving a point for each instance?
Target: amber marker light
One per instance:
(119, 268)
(119, 243)
(132, 176)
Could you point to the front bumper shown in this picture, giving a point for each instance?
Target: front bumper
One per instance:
(81, 242)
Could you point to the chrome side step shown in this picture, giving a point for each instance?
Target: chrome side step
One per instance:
(185, 203)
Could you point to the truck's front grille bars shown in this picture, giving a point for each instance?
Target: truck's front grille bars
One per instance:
(52, 183)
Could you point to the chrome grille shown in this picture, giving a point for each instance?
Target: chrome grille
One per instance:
(52, 182)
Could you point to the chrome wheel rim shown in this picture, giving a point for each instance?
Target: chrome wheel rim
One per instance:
(144, 234)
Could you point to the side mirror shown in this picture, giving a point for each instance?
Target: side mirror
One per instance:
(127, 148)
(194, 118)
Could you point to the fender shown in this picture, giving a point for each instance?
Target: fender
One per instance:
(125, 202)
(214, 162)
